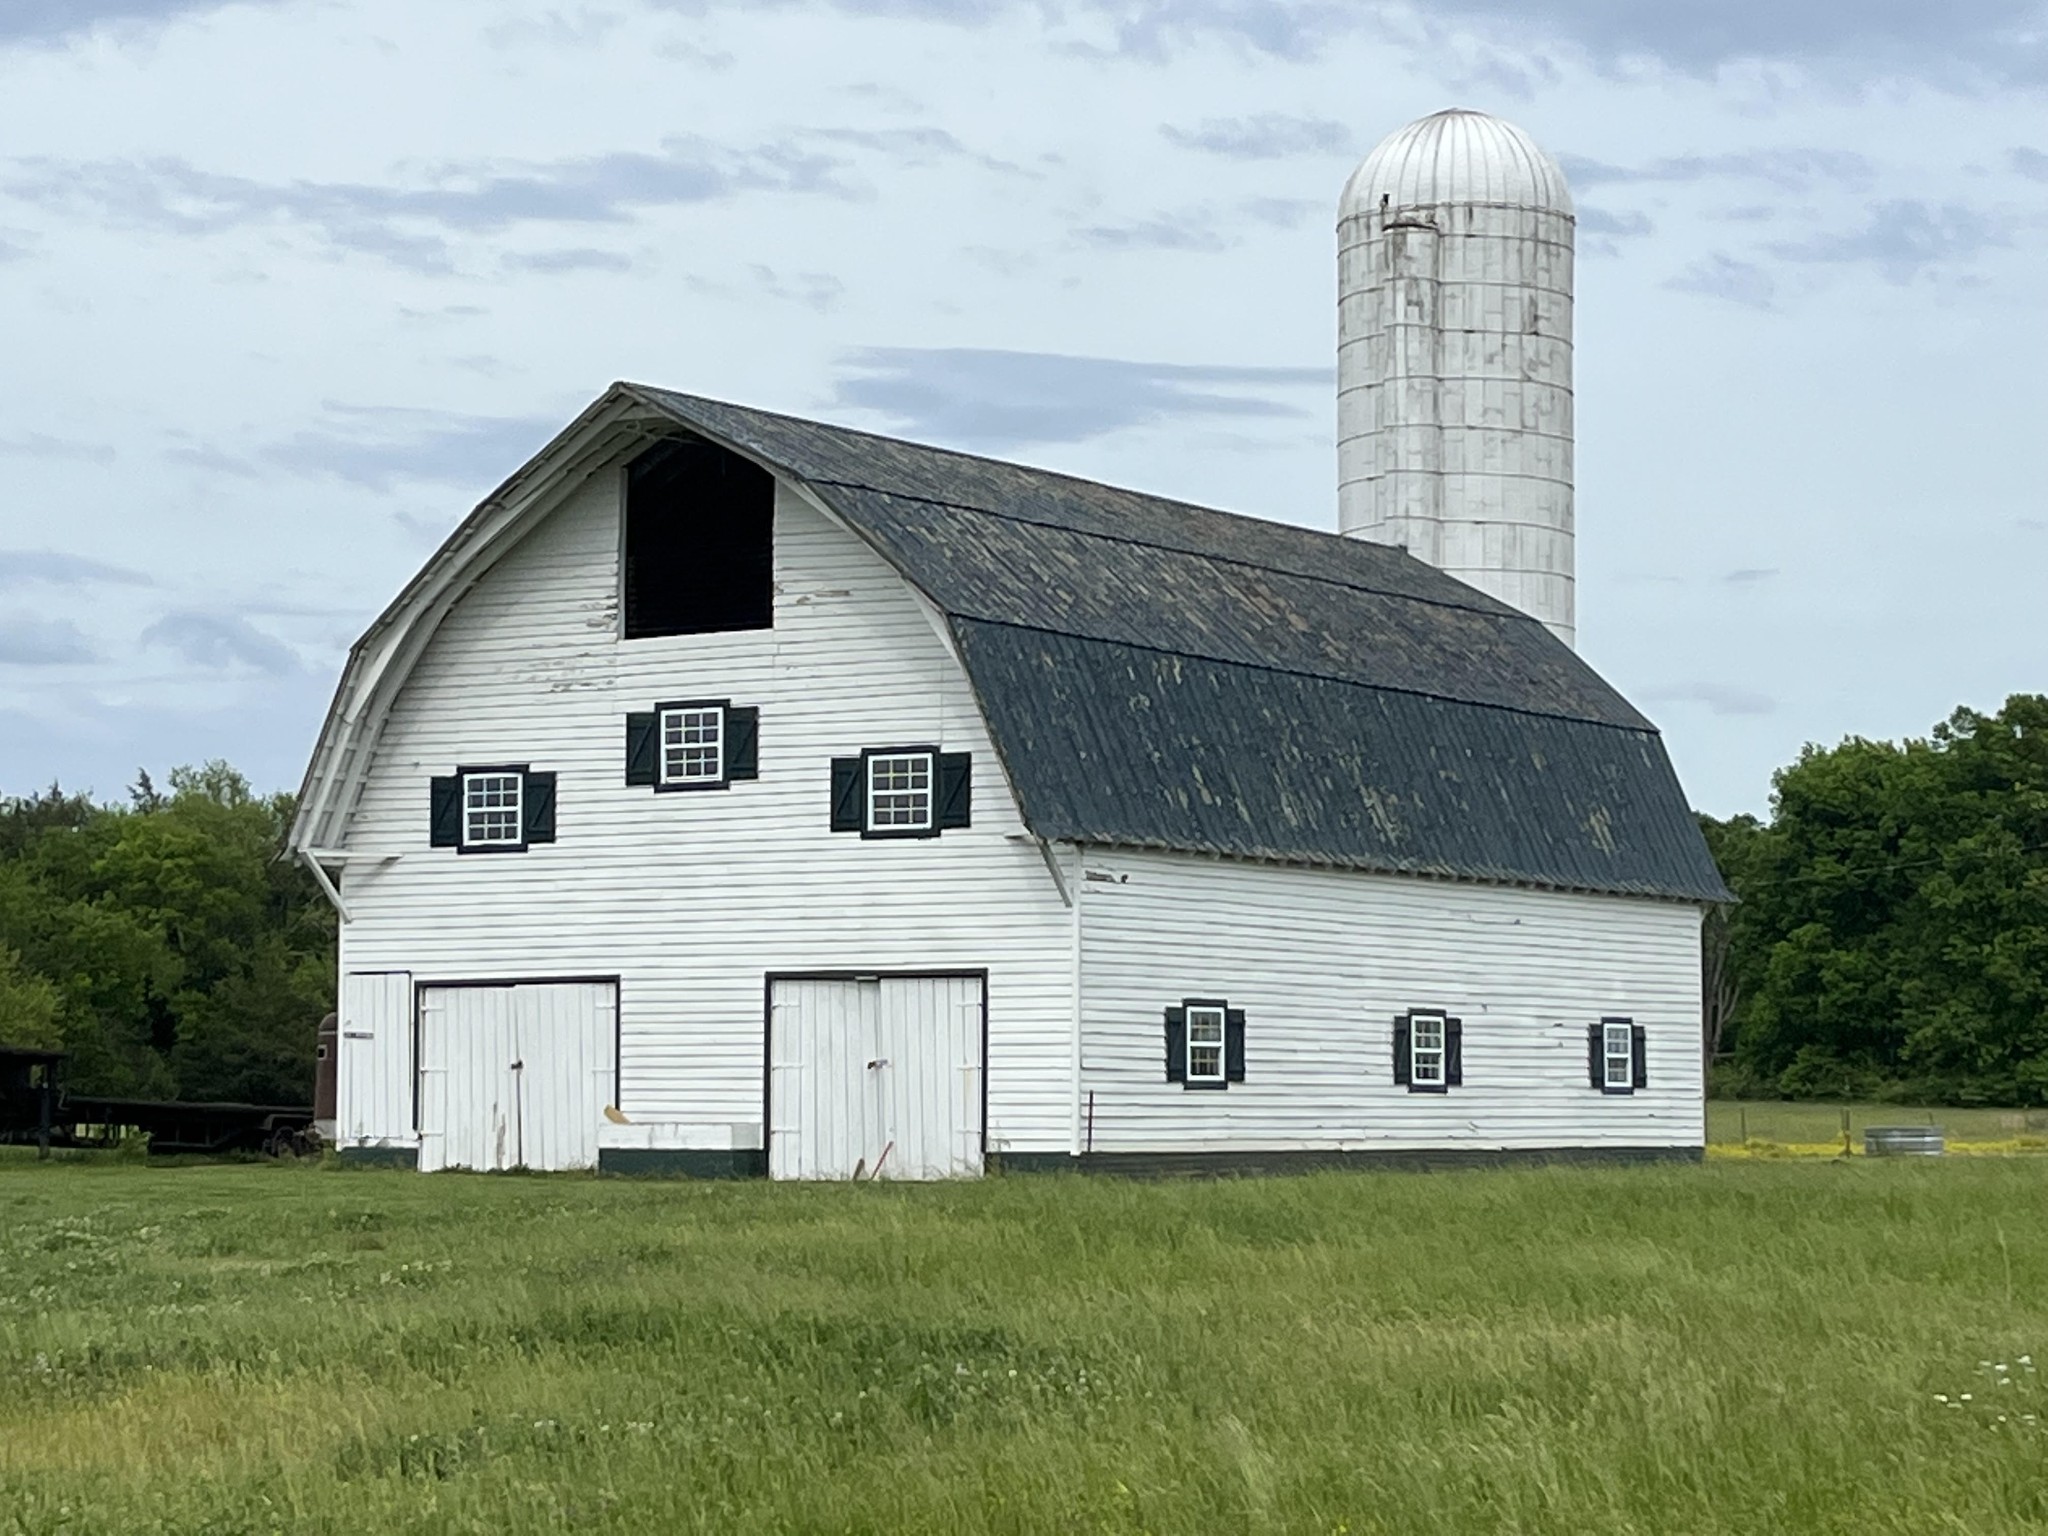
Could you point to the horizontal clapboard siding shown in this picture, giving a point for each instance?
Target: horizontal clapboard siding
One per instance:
(1322, 961)
(691, 900)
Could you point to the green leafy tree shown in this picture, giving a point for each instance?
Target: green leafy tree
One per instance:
(1892, 935)
(166, 944)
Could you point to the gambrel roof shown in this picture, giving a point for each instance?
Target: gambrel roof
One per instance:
(1161, 675)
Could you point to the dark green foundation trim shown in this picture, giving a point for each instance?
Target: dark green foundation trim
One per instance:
(1157, 1165)
(379, 1157)
(640, 1162)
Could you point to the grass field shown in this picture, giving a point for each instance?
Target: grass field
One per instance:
(1743, 1348)
(1809, 1122)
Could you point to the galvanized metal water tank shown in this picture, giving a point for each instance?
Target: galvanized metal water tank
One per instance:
(1902, 1140)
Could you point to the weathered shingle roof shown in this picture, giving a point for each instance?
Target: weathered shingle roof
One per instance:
(1157, 674)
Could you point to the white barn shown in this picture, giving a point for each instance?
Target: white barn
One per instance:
(735, 794)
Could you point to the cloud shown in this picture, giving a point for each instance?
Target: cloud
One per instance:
(18, 567)
(1796, 170)
(1721, 276)
(1904, 239)
(376, 447)
(912, 146)
(411, 226)
(28, 642)
(820, 291)
(580, 259)
(1161, 232)
(1204, 229)
(1601, 232)
(53, 21)
(1960, 44)
(1720, 698)
(1750, 575)
(1285, 29)
(2030, 163)
(40, 445)
(221, 642)
(1265, 136)
(997, 400)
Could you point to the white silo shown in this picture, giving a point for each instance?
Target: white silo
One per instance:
(1454, 358)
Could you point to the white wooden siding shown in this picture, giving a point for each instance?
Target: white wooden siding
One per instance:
(1322, 961)
(692, 900)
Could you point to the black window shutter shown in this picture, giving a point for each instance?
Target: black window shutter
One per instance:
(1596, 1055)
(643, 734)
(1401, 1051)
(955, 783)
(537, 798)
(743, 743)
(1639, 1048)
(1233, 1045)
(849, 780)
(1454, 1053)
(444, 819)
(1176, 1045)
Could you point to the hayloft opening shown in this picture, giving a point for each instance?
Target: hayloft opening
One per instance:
(700, 552)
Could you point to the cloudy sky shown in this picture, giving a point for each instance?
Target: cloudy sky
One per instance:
(286, 287)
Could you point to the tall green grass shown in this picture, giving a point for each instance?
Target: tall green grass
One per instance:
(1743, 1348)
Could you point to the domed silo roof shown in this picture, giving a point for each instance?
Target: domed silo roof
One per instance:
(1459, 157)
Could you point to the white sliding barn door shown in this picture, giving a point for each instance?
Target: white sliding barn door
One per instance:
(875, 1077)
(515, 1076)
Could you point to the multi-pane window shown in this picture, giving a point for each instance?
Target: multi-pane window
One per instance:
(1426, 1050)
(491, 814)
(1617, 1054)
(1205, 1045)
(900, 792)
(693, 746)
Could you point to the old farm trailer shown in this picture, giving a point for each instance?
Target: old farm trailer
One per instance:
(37, 1110)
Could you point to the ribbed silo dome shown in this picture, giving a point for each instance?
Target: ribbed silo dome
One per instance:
(1458, 156)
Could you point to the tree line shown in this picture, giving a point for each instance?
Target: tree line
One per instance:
(1891, 934)
(163, 942)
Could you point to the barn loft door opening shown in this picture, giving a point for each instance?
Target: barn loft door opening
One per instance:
(875, 1077)
(515, 1076)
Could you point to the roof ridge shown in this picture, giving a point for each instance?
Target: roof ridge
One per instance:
(1645, 729)
(978, 458)
(1503, 612)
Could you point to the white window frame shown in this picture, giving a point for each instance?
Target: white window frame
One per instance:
(1438, 1074)
(872, 794)
(477, 782)
(1610, 1031)
(1219, 1044)
(682, 714)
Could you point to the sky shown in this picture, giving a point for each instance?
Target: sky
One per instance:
(287, 286)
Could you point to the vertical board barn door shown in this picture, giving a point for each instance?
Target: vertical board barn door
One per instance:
(516, 1076)
(373, 1077)
(433, 1081)
(932, 1044)
(786, 1081)
(877, 1076)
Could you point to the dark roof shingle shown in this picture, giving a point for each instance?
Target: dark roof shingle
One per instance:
(1157, 674)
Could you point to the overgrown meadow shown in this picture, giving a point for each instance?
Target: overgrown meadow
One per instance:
(1737, 1348)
